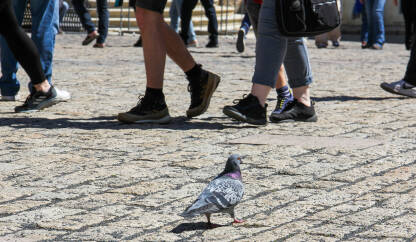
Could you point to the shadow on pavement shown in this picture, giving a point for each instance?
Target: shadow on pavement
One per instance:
(353, 98)
(110, 122)
(192, 227)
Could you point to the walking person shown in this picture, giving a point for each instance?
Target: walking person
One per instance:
(85, 17)
(284, 92)
(272, 49)
(174, 14)
(186, 16)
(407, 85)
(374, 17)
(160, 40)
(38, 66)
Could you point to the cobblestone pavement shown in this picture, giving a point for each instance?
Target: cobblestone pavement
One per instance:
(72, 172)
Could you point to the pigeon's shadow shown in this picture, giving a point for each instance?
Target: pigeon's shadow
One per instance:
(193, 227)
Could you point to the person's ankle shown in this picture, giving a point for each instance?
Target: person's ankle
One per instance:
(43, 86)
(305, 101)
(261, 101)
(93, 33)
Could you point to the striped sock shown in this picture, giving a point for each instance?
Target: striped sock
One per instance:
(284, 92)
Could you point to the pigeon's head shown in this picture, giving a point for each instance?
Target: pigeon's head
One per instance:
(233, 163)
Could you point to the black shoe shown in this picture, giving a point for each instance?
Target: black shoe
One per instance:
(295, 111)
(148, 110)
(90, 38)
(240, 41)
(39, 100)
(201, 93)
(212, 43)
(138, 42)
(247, 110)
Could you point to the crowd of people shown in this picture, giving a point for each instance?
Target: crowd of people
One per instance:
(282, 63)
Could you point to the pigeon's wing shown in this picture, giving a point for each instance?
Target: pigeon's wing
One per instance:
(220, 194)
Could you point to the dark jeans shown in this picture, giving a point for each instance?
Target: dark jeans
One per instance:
(186, 16)
(410, 76)
(85, 17)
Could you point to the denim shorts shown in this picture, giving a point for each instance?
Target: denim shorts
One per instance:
(153, 5)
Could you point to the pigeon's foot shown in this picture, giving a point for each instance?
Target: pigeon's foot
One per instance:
(237, 221)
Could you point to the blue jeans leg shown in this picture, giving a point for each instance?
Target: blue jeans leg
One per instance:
(103, 15)
(174, 16)
(272, 49)
(364, 26)
(45, 22)
(84, 15)
(245, 23)
(9, 85)
(375, 15)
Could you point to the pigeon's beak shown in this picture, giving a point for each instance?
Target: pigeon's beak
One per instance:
(241, 161)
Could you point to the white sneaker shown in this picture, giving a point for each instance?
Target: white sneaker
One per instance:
(62, 95)
(399, 87)
(192, 44)
(8, 98)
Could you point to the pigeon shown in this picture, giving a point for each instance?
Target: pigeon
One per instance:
(222, 194)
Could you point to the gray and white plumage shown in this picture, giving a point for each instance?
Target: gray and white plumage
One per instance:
(222, 194)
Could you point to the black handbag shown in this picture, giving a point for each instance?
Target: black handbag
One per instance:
(303, 18)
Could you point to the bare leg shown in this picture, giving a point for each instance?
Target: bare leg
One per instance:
(154, 46)
(302, 95)
(261, 92)
(176, 49)
(281, 78)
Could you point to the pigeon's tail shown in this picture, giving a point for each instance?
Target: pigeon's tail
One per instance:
(192, 210)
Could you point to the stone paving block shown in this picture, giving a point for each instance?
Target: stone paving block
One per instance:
(395, 227)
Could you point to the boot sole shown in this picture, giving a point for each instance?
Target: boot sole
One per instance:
(242, 118)
(314, 118)
(131, 120)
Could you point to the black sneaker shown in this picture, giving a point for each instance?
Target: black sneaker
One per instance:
(295, 111)
(247, 110)
(212, 43)
(240, 40)
(39, 100)
(147, 110)
(201, 93)
(138, 42)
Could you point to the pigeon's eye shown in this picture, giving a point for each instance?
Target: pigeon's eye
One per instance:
(239, 158)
